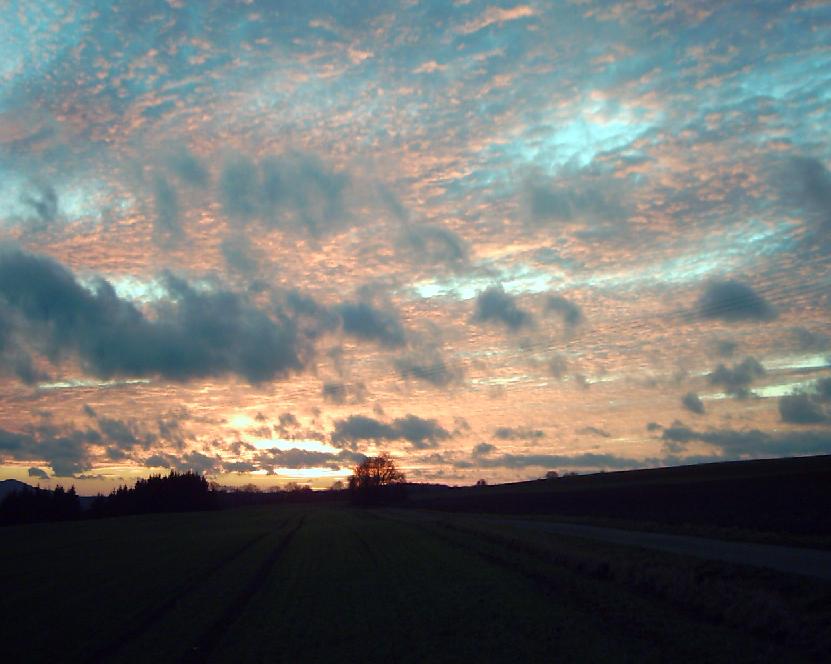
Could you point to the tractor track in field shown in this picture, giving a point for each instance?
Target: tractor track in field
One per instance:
(207, 643)
(147, 617)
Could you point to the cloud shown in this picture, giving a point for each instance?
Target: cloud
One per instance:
(809, 340)
(239, 255)
(586, 460)
(483, 449)
(419, 432)
(296, 458)
(518, 433)
(119, 432)
(692, 402)
(434, 244)
(558, 365)
(733, 301)
(63, 449)
(290, 191)
(593, 431)
(194, 333)
(427, 366)
(188, 168)
(736, 379)
(567, 310)
(42, 201)
(814, 187)
(754, 443)
(496, 15)
(359, 427)
(339, 393)
(166, 199)
(365, 321)
(494, 305)
(801, 409)
(577, 195)
(38, 473)
(195, 462)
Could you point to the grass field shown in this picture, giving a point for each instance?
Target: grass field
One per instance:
(312, 584)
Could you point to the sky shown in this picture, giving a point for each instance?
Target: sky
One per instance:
(264, 240)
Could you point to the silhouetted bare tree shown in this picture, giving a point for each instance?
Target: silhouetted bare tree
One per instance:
(377, 481)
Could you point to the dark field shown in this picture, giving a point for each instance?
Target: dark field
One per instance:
(294, 583)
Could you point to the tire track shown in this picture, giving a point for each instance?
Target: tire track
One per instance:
(147, 617)
(207, 643)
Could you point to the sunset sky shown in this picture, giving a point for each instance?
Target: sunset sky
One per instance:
(260, 240)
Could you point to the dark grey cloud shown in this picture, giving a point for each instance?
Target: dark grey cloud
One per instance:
(119, 432)
(814, 187)
(166, 200)
(736, 379)
(483, 449)
(434, 244)
(809, 340)
(64, 449)
(299, 188)
(801, 409)
(194, 333)
(754, 443)
(334, 392)
(340, 393)
(822, 388)
(188, 168)
(587, 460)
(518, 433)
(239, 188)
(494, 305)
(296, 458)
(726, 347)
(427, 366)
(567, 310)
(558, 365)
(365, 321)
(239, 467)
(692, 402)
(576, 196)
(192, 461)
(288, 191)
(239, 255)
(38, 473)
(42, 200)
(653, 426)
(419, 432)
(360, 427)
(733, 301)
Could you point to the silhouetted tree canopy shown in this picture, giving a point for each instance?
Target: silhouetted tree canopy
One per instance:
(377, 480)
(29, 505)
(176, 492)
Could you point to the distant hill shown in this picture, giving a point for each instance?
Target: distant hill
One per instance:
(790, 495)
(7, 486)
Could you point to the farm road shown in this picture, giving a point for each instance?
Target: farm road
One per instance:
(793, 560)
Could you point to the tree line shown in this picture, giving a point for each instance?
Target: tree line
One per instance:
(376, 481)
(33, 504)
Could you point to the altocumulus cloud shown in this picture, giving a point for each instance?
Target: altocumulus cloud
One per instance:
(193, 333)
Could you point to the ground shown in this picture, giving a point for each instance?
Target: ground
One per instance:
(311, 583)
